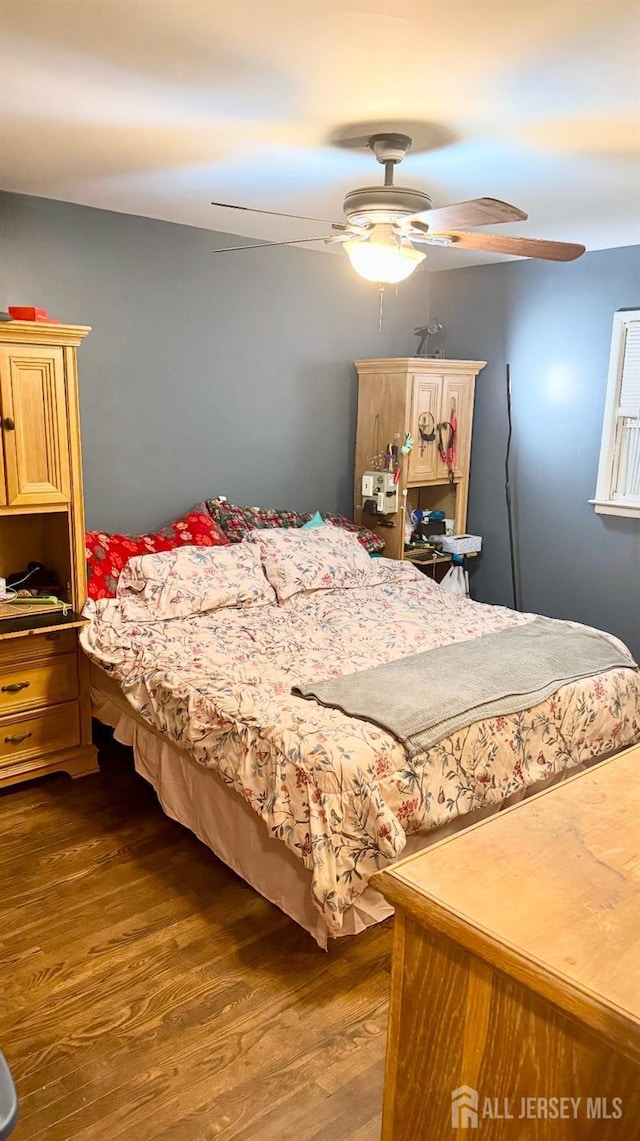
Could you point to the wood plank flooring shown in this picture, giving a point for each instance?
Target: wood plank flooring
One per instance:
(148, 992)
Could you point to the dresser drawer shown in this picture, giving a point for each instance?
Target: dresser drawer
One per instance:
(33, 735)
(41, 683)
(30, 647)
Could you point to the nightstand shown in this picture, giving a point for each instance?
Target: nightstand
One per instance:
(44, 708)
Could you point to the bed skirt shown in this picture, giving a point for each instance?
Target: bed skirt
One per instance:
(196, 797)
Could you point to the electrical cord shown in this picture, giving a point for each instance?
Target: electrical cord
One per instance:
(9, 590)
(514, 577)
(10, 593)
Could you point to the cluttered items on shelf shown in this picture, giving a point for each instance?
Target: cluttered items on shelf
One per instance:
(27, 593)
(422, 528)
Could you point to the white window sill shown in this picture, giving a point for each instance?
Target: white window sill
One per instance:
(616, 507)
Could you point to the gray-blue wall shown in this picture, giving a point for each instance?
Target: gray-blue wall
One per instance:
(552, 323)
(203, 374)
(233, 374)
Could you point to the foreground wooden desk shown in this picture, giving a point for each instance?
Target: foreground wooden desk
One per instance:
(516, 972)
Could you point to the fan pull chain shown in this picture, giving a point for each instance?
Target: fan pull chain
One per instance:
(376, 454)
(380, 308)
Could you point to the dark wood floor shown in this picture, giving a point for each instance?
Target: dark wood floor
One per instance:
(147, 992)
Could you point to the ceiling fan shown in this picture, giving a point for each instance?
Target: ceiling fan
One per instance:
(384, 223)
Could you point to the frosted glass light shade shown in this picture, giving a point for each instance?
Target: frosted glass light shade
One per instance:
(383, 263)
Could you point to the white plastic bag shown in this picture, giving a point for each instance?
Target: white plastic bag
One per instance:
(455, 581)
(408, 527)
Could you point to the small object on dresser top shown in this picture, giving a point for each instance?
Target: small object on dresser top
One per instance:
(31, 313)
(30, 607)
(461, 544)
(420, 552)
(24, 596)
(37, 579)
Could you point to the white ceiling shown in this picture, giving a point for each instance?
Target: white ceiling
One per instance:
(154, 107)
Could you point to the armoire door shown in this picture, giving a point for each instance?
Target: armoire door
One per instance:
(425, 408)
(34, 426)
(457, 400)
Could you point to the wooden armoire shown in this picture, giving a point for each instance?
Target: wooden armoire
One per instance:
(45, 715)
(415, 394)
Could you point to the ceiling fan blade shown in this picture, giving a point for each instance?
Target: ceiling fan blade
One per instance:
(520, 247)
(477, 212)
(275, 213)
(267, 245)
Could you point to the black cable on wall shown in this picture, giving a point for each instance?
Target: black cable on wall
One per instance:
(512, 555)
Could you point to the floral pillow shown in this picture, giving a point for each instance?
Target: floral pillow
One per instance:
(323, 558)
(107, 554)
(192, 580)
(370, 541)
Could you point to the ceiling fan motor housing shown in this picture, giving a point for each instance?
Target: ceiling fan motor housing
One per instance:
(390, 146)
(373, 204)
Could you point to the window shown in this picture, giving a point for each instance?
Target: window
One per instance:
(618, 488)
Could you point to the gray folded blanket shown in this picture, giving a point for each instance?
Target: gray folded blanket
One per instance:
(423, 698)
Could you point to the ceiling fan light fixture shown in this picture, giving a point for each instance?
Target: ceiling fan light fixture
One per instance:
(386, 263)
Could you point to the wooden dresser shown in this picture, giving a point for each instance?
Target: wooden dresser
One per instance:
(45, 716)
(515, 1004)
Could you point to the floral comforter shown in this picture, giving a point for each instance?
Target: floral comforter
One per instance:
(342, 793)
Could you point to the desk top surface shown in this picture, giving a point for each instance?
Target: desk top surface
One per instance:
(551, 885)
(26, 624)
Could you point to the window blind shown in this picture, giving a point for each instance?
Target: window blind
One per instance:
(627, 473)
(630, 383)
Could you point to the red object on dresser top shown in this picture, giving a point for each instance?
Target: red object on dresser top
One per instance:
(31, 313)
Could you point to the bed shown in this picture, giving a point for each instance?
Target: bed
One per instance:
(193, 664)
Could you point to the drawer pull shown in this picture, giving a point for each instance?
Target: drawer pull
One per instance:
(15, 687)
(16, 740)
(52, 636)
